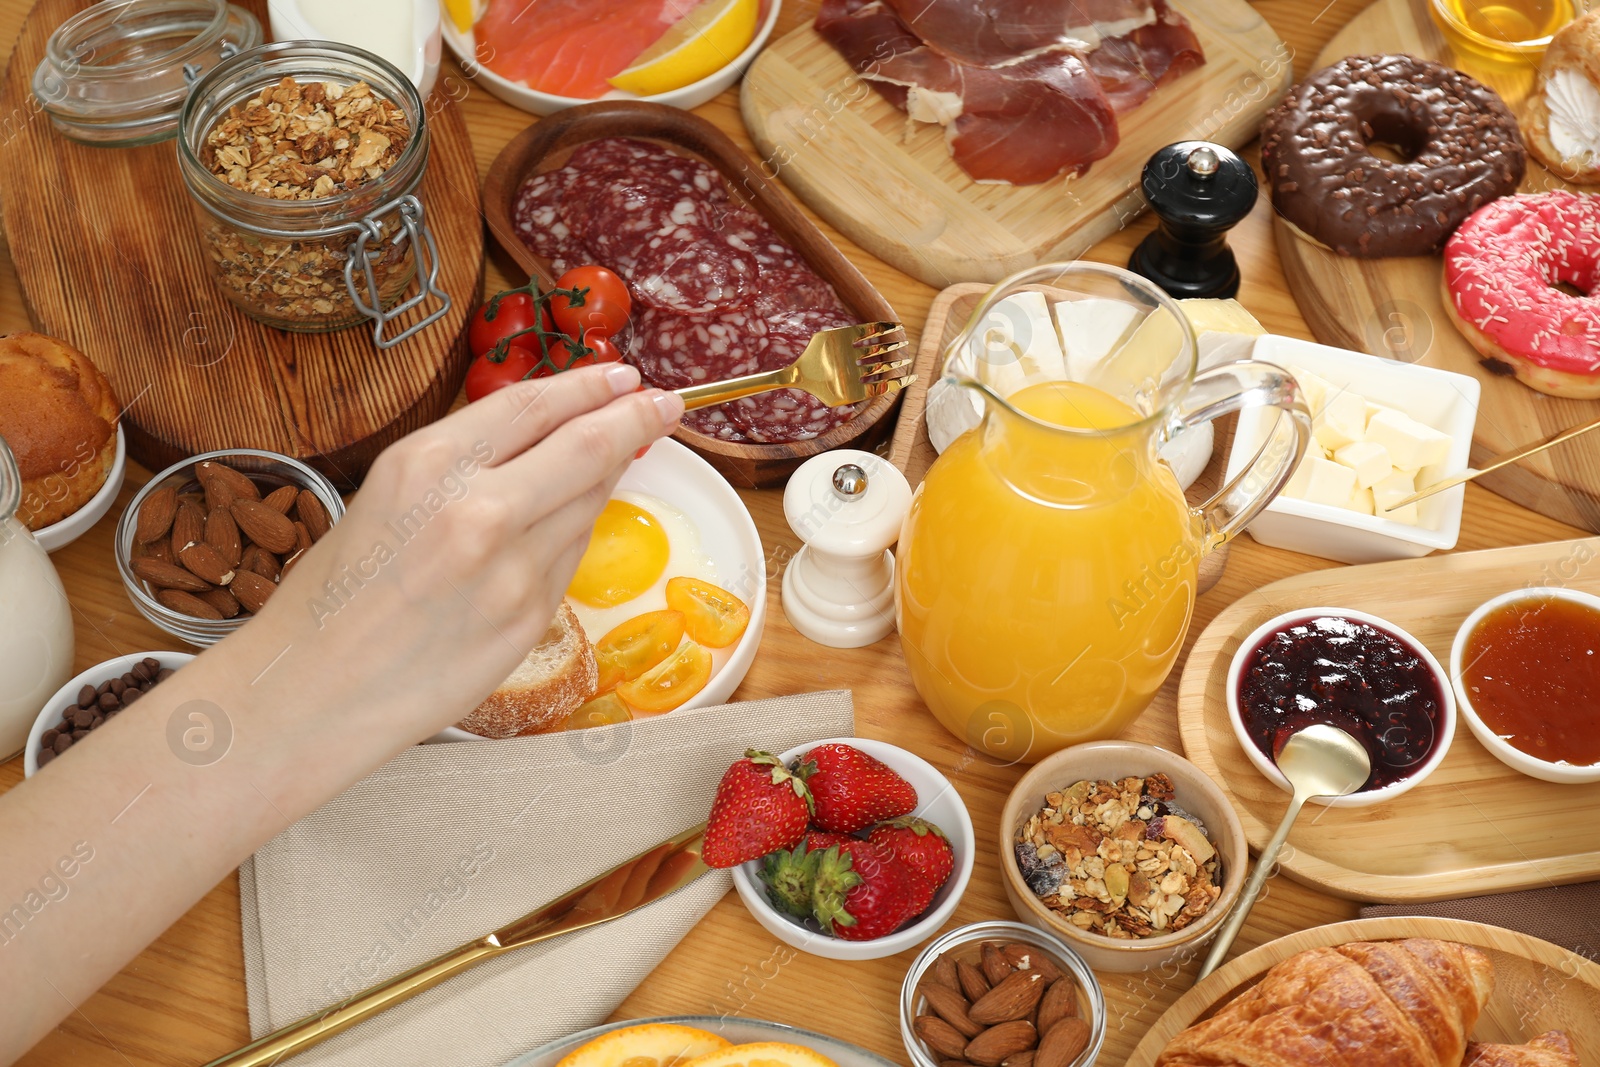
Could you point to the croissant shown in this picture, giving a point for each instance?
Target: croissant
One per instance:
(1550, 1049)
(1366, 1004)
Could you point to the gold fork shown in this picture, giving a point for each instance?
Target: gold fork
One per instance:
(835, 368)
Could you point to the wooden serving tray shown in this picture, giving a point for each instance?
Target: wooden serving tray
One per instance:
(1395, 307)
(1475, 825)
(1537, 986)
(546, 146)
(897, 193)
(110, 260)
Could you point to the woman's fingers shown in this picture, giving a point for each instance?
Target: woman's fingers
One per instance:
(513, 419)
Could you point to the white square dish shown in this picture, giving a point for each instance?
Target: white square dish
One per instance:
(1446, 401)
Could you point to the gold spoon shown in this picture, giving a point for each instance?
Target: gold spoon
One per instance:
(1502, 460)
(1319, 761)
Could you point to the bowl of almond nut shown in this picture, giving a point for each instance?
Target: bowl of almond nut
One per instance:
(1125, 851)
(204, 544)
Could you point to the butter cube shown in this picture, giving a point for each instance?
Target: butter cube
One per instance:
(1361, 501)
(1411, 444)
(1396, 486)
(1315, 389)
(1368, 459)
(1330, 483)
(1296, 485)
(1342, 420)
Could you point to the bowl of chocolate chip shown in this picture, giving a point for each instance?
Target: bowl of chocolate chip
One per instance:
(86, 703)
(1125, 851)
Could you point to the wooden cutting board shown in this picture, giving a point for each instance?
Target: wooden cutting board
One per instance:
(1537, 986)
(1395, 307)
(110, 260)
(1475, 825)
(896, 192)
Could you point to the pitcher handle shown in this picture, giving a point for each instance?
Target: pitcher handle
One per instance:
(1243, 386)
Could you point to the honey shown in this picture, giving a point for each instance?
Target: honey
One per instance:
(1532, 669)
(1508, 31)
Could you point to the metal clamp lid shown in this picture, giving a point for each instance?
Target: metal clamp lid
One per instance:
(414, 229)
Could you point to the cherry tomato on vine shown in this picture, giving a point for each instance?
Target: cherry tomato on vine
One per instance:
(605, 306)
(485, 376)
(512, 315)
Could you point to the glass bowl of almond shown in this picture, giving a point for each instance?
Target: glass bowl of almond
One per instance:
(203, 545)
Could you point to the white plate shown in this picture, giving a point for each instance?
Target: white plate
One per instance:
(517, 94)
(739, 1031)
(59, 535)
(727, 535)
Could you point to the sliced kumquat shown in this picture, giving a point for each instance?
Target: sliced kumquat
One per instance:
(633, 647)
(670, 683)
(604, 710)
(714, 617)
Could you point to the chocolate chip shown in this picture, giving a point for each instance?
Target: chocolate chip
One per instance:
(97, 704)
(131, 695)
(62, 743)
(109, 700)
(86, 696)
(164, 674)
(45, 756)
(130, 680)
(48, 738)
(98, 719)
(117, 686)
(103, 688)
(82, 718)
(141, 671)
(79, 735)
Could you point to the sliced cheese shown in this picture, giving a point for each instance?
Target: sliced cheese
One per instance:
(1368, 459)
(1089, 330)
(1411, 444)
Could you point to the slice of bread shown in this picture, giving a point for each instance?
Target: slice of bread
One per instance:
(553, 681)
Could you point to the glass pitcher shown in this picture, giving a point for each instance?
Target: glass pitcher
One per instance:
(1046, 572)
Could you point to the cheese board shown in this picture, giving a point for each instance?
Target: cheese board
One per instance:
(1395, 307)
(110, 260)
(847, 153)
(1475, 825)
(1537, 986)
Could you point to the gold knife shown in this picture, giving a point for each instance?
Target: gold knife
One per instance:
(1502, 460)
(642, 880)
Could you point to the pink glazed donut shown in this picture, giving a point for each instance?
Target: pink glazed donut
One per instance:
(1501, 272)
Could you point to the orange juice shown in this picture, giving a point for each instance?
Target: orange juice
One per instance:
(1045, 578)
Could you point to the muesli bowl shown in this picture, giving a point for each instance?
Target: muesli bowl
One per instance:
(1196, 799)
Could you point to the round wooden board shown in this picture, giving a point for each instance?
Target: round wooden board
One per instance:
(1395, 307)
(1537, 986)
(110, 260)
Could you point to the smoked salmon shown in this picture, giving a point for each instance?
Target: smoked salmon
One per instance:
(570, 47)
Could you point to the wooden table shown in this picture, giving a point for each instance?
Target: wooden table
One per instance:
(183, 1000)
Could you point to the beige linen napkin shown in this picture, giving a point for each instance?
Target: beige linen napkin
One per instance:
(450, 841)
(1565, 915)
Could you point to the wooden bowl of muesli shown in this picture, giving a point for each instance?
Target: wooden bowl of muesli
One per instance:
(1127, 851)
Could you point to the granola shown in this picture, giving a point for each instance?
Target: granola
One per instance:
(1120, 858)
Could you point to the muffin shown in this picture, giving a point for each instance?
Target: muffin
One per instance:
(59, 415)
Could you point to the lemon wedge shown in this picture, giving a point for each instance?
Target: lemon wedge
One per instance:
(701, 43)
(461, 13)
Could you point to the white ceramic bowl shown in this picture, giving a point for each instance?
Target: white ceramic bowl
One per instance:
(1502, 750)
(517, 94)
(289, 22)
(739, 1031)
(61, 534)
(1364, 798)
(1445, 401)
(67, 695)
(938, 802)
(728, 536)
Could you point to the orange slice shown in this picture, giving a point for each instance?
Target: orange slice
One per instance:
(763, 1054)
(647, 1045)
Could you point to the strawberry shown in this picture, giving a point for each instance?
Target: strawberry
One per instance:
(851, 789)
(821, 840)
(863, 892)
(921, 846)
(790, 876)
(759, 808)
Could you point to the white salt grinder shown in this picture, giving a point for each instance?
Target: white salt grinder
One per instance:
(847, 506)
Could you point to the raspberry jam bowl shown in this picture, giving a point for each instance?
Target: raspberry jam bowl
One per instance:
(1348, 669)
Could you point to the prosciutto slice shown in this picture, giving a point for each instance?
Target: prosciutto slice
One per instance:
(1023, 123)
(1003, 32)
(1131, 67)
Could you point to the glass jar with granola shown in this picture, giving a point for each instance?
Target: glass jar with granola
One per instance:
(304, 161)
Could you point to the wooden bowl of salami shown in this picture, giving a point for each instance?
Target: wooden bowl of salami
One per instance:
(547, 144)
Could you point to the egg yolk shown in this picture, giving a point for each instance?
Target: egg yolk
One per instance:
(627, 553)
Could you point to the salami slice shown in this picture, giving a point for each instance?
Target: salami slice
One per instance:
(673, 350)
(687, 269)
(714, 422)
(800, 289)
(536, 216)
(789, 414)
(749, 232)
(635, 157)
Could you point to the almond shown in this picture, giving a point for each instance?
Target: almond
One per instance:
(1063, 1043)
(203, 562)
(1021, 1059)
(240, 485)
(313, 514)
(995, 965)
(943, 972)
(156, 514)
(288, 563)
(972, 981)
(1059, 1002)
(261, 561)
(951, 1007)
(226, 603)
(302, 536)
(1013, 998)
(222, 534)
(161, 548)
(282, 498)
(940, 1036)
(265, 527)
(219, 491)
(188, 525)
(187, 604)
(1029, 958)
(994, 1045)
(251, 589)
(164, 575)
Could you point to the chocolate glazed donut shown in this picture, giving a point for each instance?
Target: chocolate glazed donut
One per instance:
(1460, 143)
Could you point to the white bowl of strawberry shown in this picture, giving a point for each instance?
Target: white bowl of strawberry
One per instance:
(845, 848)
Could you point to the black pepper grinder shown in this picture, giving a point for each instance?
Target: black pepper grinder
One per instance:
(1199, 191)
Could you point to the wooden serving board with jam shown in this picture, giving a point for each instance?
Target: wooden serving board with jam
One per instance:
(1474, 825)
(110, 260)
(896, 192)
(1395, 307)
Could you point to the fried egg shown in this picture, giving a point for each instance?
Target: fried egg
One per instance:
(638, 543)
